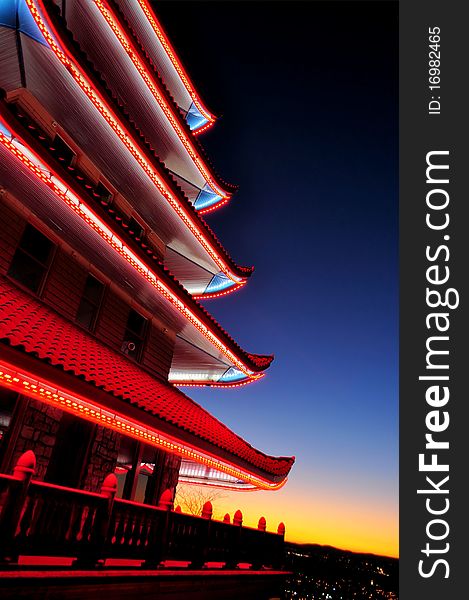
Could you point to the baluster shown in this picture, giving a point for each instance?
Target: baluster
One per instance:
(76, 521)
(91, 556)
(151, 534)
(158, 549)
(112, 538)
(128, 531)
(27, 519)
(202, 539)
(233, 554)
(137, 529)
(259, 545)
(87, 529)
(279, 558)
(121, 527)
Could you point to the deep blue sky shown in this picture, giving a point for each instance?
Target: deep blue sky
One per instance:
(307, 94)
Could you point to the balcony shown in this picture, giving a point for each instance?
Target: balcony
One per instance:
(57, 536)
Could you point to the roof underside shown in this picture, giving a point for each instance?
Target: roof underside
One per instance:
(81, 119)
(39, 331)
(149, 32)
(193, 473)
(145, 102)
(59, 211)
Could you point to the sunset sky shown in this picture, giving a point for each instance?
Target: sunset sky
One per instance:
(307, 98)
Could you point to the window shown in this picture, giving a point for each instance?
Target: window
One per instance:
(134, 335)
(62, 151)
(104, 193)
(8, 400)
(32, 259)
(90, 302)
(136, 229)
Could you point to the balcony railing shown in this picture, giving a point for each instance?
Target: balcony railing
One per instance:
(43, 519)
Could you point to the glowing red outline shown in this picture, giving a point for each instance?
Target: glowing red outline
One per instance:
(202, 129)
(218, 294)
(129, 48)
(216, 384)
(29, 385)
(108, 114)
(209, 209)
(114, 241)
(164, 41)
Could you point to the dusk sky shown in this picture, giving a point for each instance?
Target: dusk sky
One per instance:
(307, 98)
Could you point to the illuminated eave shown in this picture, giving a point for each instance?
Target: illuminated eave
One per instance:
(46, 391)
(47, 176)
(240, 486)
(36, 139)
(126, 138)
(191, 473)
(172, 116)
(226, 292)
(171, 53)
(214, 384)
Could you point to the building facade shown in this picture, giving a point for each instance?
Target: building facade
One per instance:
(104, 254)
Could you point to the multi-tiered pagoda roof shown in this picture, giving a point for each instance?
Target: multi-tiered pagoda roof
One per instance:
(131, 206)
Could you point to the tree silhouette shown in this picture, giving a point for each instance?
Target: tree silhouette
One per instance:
(191, 498)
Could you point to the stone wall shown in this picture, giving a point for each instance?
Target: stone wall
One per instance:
(102, 459)
(165, 476)
(38, 433)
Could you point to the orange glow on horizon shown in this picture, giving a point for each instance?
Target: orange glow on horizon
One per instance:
(341, 522)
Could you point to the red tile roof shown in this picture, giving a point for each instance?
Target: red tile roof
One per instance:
(27, 323)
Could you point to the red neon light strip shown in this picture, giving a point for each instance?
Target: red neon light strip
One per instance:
(204, 211)
(131, 51)
(150, 15)
(85, 213)
(216, 384)
(202, 129)
(230, 290)
(124, 135)
(47, 392)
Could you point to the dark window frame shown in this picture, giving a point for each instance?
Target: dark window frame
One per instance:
(97, 305)
(45, 266)
(132, 336)
(102, 187)
(66, 147)
(131, 228)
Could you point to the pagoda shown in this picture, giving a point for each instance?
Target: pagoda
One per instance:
(104, 256)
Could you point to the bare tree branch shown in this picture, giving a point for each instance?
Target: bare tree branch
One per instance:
(191, 498)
